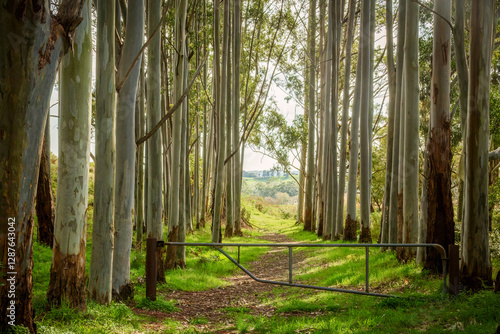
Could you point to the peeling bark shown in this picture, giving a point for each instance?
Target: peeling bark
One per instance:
(67, 278)
(351, 226)
(440, 225)
(365, 235)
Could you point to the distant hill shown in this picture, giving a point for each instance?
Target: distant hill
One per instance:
(266, 173)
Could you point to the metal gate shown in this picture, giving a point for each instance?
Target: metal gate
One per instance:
(152, 244)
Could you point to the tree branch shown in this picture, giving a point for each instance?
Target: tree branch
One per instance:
(175, 107)
(494, 155)
(433, 11)
(136, 59)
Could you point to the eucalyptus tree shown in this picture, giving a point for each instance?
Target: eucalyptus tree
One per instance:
(178, 155)
(351, 221)
(228, 171)
(437, 194)
(395, 197)
(75, 104)
(391, 78)
(308, 207)
(327, 168)
(476, 263)
(236, 58)
(345, 112)
(101, 262)
(207, 150)
(411, 138)
(365, 128)
(321, 117)
(303, 154)
(220, 100)
(126, 150)
(463, 76)
(139, 182)
(154, 223)
(185, 182)
(332, 182)
(29, 56)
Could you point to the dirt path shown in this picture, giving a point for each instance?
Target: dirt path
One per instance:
(242, 292)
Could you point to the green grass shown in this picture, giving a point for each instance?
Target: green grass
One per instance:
(159, 304)
(420, 307)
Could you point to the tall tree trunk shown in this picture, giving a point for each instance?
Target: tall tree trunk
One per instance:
(396, 153)
(350, 233)
(45, 211)
(139, 184)
(333, 181)
(476, 263)
(125, 151)
(308, 207)
(154, 207)
(236, 115)
(185, 182)
(321, 117)
(463, 78)
(228, 172)
(207, 150)
(327, 166)
(364, 49)
(391, 78)
(70, 231)
(101, 262)
(440, 225)
(410, 187)
(196, 172)
(27, 70)
(177, 154)
(220, 76)
(345, 112)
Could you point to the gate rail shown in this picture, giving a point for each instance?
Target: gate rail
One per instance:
(152, 244)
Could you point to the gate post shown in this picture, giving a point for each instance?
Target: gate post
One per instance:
(151, 269)
(453, 263)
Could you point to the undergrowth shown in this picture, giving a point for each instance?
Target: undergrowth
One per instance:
(419, 306)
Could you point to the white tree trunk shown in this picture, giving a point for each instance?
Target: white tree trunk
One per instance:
(391, 78)
(219, 78)
(236, 114)
(125, 151)
(75, 103)
(476, 262)
(101, 262)
(364, 49)
(154, 223)
(351, 221)
(178, 155)
(410, 189)
(345, 113)
(308, 207)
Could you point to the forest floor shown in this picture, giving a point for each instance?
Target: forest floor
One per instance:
(211, 295)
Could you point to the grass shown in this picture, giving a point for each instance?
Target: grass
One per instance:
(420, 307)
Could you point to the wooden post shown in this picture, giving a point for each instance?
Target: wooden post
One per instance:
(151, 269)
